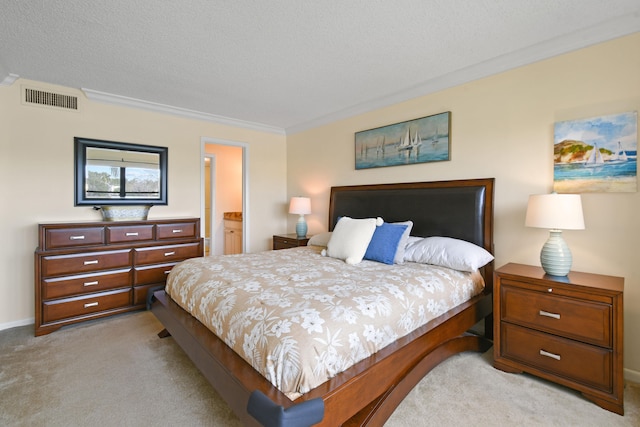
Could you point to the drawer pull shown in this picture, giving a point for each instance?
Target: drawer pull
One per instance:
(177, 231)
(131, 234)
(95, 261)
(91, 304)
(76, 237)
(551, 355)
(167, 272)
(547, 314)
(90, 283)
(169, 253)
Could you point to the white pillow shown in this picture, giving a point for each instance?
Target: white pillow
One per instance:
(320, 239)
(399, 258)
(350, 238)
(448, 252)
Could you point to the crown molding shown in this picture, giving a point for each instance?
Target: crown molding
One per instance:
(9, 79)
(124, 101)
(603, 32)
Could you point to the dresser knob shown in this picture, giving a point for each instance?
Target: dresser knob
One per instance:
(550, 290)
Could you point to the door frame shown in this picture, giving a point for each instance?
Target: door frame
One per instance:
(204, 141)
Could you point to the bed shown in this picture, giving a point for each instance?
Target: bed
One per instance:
(368, 392)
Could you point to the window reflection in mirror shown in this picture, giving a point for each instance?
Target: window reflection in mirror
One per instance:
(119, 173)
(122, 174)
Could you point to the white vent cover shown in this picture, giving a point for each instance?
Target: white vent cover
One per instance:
(32, 96)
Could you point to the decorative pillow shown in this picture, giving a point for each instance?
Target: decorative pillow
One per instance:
(384, 243)
(404, 240)
(320, 239)
(350, 238)
(448, 252)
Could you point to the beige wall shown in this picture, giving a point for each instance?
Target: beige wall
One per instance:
(502, 127)
(36, 175)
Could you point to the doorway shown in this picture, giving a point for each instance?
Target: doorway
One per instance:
(224, 192)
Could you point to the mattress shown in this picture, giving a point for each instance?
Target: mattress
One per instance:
(300, 318)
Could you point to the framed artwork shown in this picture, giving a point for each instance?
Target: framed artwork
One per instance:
(422, 140)
(596, 155)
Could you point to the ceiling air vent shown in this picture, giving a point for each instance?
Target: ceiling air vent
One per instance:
(50, 99)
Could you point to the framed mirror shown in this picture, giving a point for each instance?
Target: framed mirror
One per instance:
(118, 173)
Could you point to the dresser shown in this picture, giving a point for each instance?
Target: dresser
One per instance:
(87, 270)
(568, 330)
(286, 241)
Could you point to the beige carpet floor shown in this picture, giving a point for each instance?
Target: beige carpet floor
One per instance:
(117, 372)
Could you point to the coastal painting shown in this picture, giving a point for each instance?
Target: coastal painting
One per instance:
(422, 140)
(596, 155)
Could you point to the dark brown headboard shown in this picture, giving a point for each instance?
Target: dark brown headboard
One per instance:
(462, 209)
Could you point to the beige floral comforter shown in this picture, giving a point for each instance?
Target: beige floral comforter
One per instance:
(300, 318)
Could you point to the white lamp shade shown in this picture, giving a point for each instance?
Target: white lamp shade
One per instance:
(555, 212)
(300, 205)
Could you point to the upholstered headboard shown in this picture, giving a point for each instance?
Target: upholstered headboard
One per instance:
(462, 209)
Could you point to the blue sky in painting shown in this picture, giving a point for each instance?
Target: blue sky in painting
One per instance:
(606, 131)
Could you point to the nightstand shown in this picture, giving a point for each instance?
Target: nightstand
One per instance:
(564, 329)
(286, 241)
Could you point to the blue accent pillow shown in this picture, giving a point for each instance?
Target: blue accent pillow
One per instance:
(384, 243)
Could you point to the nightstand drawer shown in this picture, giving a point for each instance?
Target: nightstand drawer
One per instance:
(583, 363)
(575, 318)
(288, 241)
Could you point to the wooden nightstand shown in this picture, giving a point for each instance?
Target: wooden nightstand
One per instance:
(286, 241)
(564, 329)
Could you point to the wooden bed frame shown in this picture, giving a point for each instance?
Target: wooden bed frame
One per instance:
(368, 392)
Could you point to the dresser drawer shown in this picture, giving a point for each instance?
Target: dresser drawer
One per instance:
(58, 265)
(79, 306)
(58, 238)
(583, 363)
(165, 254)
(580, 319)
(182, 230)
(131, 233)
(140, 293)
(152, 274)
(85, 283)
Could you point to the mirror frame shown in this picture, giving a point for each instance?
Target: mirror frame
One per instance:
(80, 161)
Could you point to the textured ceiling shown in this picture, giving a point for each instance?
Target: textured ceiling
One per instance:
(291, 64)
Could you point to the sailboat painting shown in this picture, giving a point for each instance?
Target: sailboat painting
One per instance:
(422, 140)
(596, 155)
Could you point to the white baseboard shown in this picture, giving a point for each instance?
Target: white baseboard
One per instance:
(17, 323)
(631, 375)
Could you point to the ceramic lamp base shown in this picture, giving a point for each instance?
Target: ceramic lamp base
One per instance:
(555, 256)
(301, 227)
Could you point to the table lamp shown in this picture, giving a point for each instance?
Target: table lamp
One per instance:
(555, 212)
(300, 206)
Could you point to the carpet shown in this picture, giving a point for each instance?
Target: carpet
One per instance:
(117, 372)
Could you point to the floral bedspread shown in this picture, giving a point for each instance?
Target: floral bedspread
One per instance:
(300, 318)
